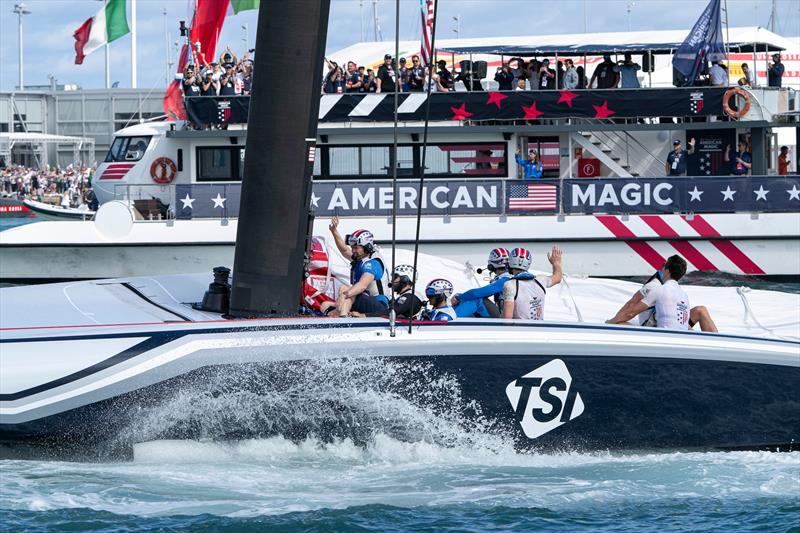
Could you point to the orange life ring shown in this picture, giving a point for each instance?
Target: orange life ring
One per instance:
(163, 170)
(732, 112)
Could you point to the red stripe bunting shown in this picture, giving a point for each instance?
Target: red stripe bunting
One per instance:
(645, 251)
(728, 249)
(687, 249)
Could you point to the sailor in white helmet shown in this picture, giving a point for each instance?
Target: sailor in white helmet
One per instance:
(662, 303)
(406, 304)
(523, 294)
(439, 292)
(365, 294)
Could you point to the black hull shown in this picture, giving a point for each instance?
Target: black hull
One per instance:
(628, 404)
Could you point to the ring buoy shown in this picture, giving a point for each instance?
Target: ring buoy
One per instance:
(163, 170)
(743, 109)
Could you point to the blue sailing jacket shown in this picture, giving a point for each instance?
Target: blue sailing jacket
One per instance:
(532, 170)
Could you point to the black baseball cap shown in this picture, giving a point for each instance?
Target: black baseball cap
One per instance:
(387, 56)
(676, 142)
(402, 59)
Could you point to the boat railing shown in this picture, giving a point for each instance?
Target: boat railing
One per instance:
(501, 197)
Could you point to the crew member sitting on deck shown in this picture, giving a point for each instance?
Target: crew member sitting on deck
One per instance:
(487, 301)
(406, 304)
(532, 167)
(365, 293)
(439, 292)
(523, 294)
(645, 302)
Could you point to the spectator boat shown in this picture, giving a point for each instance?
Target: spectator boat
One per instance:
(55, 212)
(603, 193)
(106, 364)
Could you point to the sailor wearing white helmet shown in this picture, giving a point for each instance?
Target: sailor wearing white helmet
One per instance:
(439, 292)
(523, 294)
(365, 294)
(487, 301)
(406, 304)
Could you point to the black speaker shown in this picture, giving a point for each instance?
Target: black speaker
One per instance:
(466, 65)
(648, 62)
(480, 69)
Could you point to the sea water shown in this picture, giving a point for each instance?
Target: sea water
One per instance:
(414, 469)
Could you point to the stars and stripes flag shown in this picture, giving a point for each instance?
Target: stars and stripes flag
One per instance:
(427, 11)
(532, 197)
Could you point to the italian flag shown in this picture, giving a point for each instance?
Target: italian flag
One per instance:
(242, 5)
(109, 24)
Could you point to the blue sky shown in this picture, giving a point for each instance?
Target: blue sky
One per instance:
(49, 27)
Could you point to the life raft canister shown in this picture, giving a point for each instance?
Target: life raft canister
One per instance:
(726, 99)
(163, 170)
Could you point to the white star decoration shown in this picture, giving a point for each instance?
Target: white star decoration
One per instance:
(696, 194)
(727, 194)
(187, 202)
(219, 201)
(794, 193)
(761, 193)
(315, 200)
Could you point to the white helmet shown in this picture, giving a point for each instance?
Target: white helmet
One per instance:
(498, 259)
(439, 288)
(405, 271)
(362, 237)
(520, 259)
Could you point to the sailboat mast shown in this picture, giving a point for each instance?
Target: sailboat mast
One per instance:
(274, 220)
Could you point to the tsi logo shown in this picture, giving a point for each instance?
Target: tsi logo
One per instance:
(543, 399)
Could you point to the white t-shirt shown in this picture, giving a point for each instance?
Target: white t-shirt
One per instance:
(529, 301)
(650, 292)
(672, 307)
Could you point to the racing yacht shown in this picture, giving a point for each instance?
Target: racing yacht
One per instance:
(89, 369)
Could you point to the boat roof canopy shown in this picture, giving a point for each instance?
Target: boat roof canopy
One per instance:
(742, 40)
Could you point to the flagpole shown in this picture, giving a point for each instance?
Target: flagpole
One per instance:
(133, 44)
(108, 68)
(727, 39)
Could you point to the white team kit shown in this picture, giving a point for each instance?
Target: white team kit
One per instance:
(668, 305)
(528, 296)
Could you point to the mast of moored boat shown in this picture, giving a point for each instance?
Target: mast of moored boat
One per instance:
(274, 220)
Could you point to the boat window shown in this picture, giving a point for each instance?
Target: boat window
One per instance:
(220, 163)
(471, 159)
(127, 149)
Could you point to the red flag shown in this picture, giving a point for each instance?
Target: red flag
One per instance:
(81, 37)
(209, 17)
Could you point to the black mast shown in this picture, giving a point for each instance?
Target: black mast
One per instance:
(274, 219)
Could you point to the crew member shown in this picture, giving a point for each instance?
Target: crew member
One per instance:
(365, 293)
(644, 303)
(439, 292)
(532, 167)
(524, 293)
(676, 159)
(406, 304)
(487, 301)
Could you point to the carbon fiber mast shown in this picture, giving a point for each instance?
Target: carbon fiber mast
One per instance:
(274, 219)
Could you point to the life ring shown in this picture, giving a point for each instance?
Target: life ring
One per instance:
(163, 170)
(744, 108)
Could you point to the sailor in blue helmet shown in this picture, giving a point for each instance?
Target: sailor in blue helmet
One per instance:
(365, 294)
(486, 301)
(439, 292)
(524, 293)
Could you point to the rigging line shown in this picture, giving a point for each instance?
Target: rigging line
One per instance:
(394, 161)
(431, 64)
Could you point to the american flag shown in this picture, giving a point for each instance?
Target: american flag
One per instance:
(532, 197)
(427, 10)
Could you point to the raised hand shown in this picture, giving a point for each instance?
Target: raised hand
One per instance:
(334, 225)
(554, 256)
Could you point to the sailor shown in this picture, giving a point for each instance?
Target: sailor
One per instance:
(487, 301)
(524, 293)
(406, 304)
(439, 292)
(642, 305)
(365, 294)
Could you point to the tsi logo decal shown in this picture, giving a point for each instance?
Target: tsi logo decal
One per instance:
(544, 399)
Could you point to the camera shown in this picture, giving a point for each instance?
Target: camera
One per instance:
(183, 28)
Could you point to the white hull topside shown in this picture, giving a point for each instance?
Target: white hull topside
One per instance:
(739, 243)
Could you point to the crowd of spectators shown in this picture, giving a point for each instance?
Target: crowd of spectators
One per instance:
(230, 76)
(69, 186)
(718, 75)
